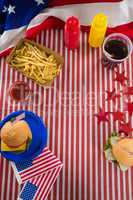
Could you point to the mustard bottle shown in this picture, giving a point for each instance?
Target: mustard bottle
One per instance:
(98, 30)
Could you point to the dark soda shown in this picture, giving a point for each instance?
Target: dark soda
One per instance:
(117, 49)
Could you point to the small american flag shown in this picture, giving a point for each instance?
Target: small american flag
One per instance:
(37, 175)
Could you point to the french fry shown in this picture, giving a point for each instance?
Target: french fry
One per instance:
(36, 62)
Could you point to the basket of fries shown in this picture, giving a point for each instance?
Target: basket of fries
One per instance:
(36, 62)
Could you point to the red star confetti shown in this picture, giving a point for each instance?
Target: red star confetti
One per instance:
(121, 78)
(125, 128)
(118, 116)
(112, 95)
(128, 90)
(129, 107)
(125, 93)
(102, 116)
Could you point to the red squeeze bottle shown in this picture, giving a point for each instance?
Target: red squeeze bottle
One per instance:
(72, 33)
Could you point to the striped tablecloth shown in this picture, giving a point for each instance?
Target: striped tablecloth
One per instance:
(67, 109)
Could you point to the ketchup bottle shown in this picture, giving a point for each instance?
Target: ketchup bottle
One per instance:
(72, 33)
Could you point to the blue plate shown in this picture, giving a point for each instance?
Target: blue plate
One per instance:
(39, 137)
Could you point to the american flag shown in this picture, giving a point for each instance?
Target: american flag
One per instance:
(19, 19)
(39, 188)
(38, 175)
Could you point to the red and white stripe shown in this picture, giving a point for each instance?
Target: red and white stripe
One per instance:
(93, 177)
(42, 164)
(44, 183)
(18, 118)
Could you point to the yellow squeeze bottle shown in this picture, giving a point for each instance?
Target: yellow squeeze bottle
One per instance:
(98, 30)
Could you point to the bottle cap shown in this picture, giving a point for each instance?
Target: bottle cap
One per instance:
(100, 20)
(72, 23)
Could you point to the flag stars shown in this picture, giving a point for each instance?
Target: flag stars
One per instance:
(39, 2)
(5, 9)
(11, 9)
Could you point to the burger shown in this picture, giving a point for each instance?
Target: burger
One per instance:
(120, 151)
(15, 136)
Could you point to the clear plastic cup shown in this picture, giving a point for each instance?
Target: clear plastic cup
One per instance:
(107, 60)
(20, 91)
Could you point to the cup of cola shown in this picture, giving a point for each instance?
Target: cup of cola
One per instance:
(117, 48)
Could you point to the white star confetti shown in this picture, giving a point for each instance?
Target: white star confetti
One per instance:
(39, 2)
(11, 9)
(5, 9)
